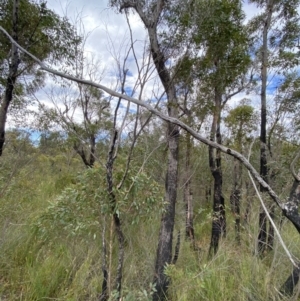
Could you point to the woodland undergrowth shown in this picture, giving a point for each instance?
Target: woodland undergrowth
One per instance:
(51, 243)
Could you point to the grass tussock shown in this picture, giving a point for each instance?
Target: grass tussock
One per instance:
(64, 262)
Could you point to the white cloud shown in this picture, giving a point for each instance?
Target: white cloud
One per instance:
(109, 41)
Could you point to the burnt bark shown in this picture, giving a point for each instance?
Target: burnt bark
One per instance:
(117, 222)
(12, 76)
(262, 236)
(104, 293)
(235, 198)
(219, 218)
(177, 248)
(290, 210)
(288, 287)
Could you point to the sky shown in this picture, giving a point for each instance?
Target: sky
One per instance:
(108, 43)
(108, 31)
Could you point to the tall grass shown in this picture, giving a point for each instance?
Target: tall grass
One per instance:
(66, 267)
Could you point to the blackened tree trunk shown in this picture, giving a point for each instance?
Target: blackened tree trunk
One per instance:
(103, 296)
(219, 218)
(262, 236)
(290, 284)
(292, 213)
(117, 222)
(235, 198)
(165, 240)
(12, 76)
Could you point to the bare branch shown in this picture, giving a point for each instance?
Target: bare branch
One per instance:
(173, 120)
(270, 219)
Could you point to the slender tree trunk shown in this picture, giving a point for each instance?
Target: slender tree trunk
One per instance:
(104, 294)
(117, 222)
(235, 197)
(292, 213)
(165, 240)
(150, 18)
(187, 193)
(219, 218)
(12, 75)
(262, 236)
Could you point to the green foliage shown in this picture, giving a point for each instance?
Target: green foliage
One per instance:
(217, 33)
(281, 42)
(242, 122)
(78, 209)
(43, 33)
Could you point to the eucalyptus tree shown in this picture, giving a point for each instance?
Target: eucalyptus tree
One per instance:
(152, 15)
(82, 114)
(288, 208)
(40, 31)
(220, 61)
(274, 31)
(241, 123)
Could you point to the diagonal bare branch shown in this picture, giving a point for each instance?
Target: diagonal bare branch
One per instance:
(173, 120)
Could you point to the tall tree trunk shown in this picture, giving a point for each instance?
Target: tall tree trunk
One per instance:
(219, 218)
(187, 193)
(235, 197)
(165, 240)
(164, 249)
(150, 18)
(12, 75)
(117, 222)
(262, 236)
